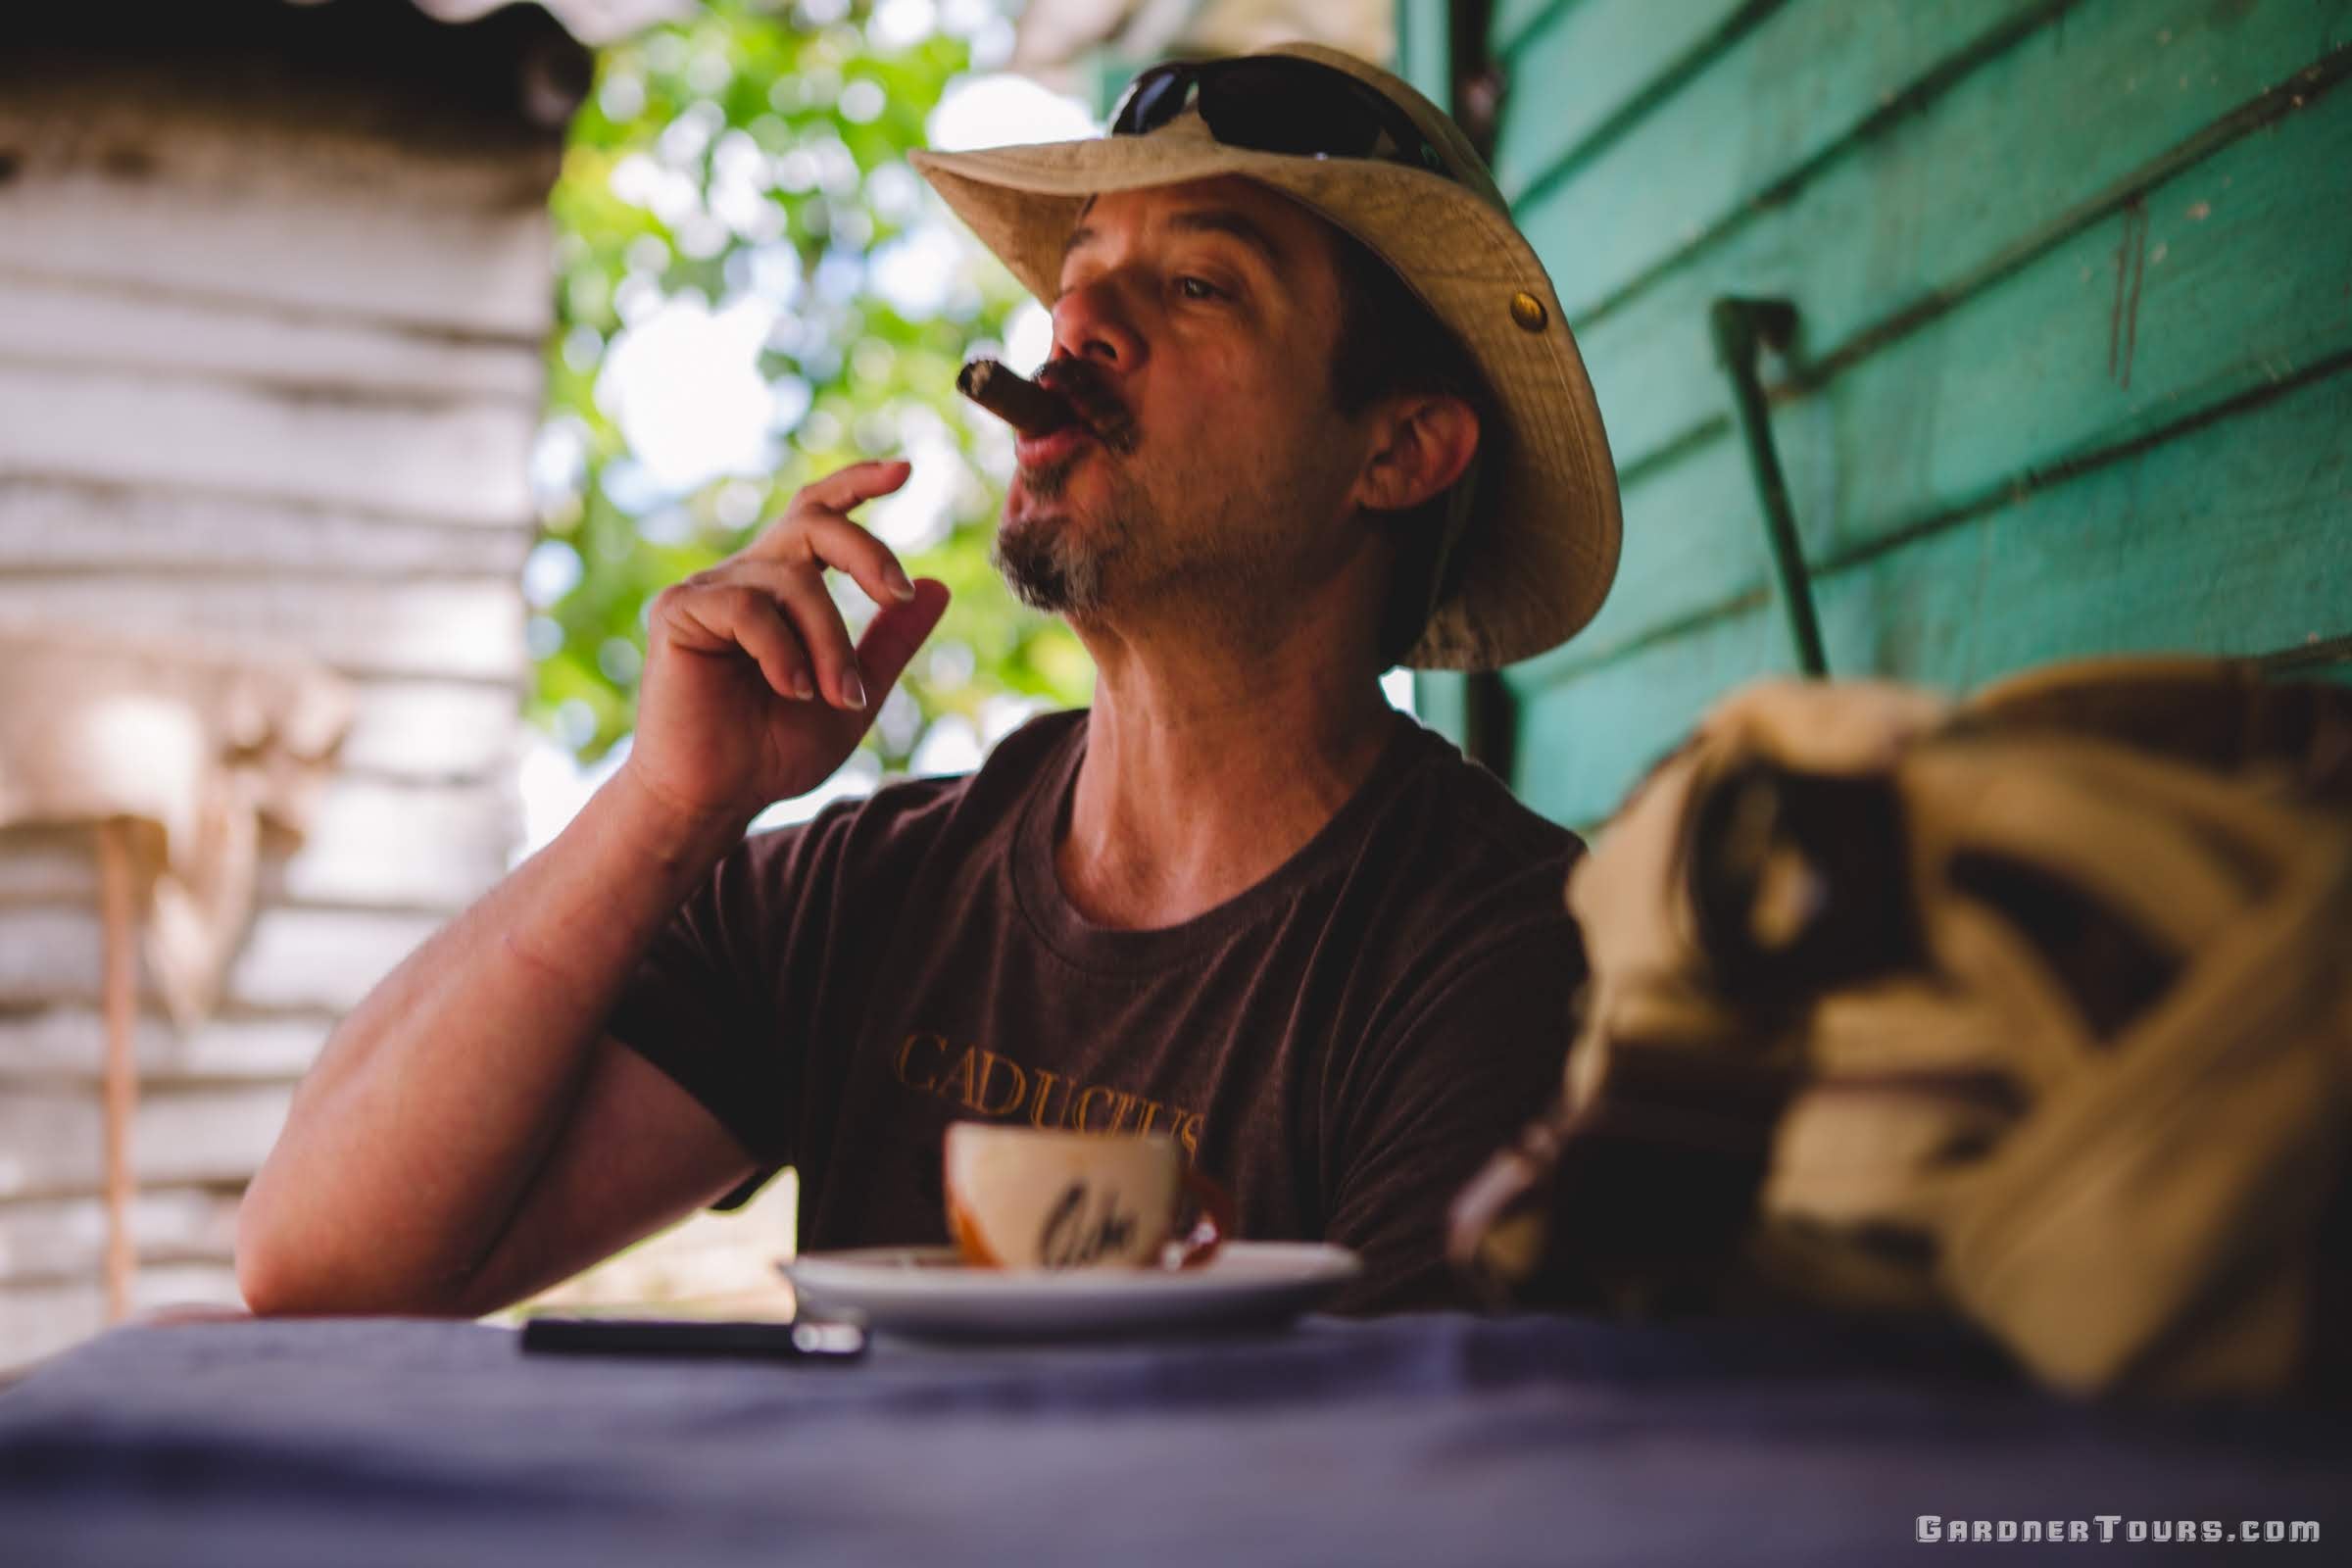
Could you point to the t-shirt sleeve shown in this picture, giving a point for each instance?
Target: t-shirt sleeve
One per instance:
(703, 1004)
(1475, 1058)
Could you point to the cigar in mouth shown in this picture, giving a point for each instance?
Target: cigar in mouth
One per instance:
(1014, 398)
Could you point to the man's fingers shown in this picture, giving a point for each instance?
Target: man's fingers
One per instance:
(817, 529)
(822, 632)
(821, 653)
(746, 617)
(897, 631)
(871, 564)
(799, 637)
(844, 488)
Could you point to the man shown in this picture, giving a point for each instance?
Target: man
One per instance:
(1240, 901)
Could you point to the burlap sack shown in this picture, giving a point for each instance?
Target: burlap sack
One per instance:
(2036, 1009)
(197, 747)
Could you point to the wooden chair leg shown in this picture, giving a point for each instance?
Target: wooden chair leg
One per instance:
(116, 897)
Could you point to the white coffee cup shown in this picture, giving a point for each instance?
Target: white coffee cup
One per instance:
(1023, 1198)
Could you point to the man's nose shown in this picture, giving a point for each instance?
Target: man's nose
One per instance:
(1092, 322)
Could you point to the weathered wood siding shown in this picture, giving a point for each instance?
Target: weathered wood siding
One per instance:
(269, 366)
(2075, 289)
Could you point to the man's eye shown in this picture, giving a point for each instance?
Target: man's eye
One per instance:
(1199, 288)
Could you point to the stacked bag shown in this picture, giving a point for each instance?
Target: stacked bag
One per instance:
(2034, 1010)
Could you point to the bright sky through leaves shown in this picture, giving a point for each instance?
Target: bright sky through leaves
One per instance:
(754, 289)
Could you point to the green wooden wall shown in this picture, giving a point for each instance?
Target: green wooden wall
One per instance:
(2074, 368)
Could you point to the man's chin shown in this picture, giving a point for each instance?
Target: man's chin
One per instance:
(1046, 557)
(1031, 525)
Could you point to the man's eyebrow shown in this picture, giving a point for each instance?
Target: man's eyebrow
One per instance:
(1226, 220)
(1197, 221)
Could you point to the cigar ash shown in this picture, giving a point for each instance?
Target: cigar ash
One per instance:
(1041, 408)
(1021, 402)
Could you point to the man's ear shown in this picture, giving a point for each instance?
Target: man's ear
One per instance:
(1420, 444)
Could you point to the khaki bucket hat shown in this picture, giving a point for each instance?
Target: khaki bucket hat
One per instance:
(1539, 547)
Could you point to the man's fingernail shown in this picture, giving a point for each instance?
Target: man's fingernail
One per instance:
(854, 689)
(896, 576)
(804, 687)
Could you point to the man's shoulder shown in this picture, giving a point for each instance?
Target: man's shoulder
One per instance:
(1459, 812)
(1464, 869)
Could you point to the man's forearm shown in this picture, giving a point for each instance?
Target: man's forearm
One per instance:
(418, 1130)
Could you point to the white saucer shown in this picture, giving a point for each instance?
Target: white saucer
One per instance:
(929, 1293)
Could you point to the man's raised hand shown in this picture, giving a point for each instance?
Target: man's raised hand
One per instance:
(753, 692)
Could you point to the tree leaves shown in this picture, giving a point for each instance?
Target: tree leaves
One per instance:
(745, 160)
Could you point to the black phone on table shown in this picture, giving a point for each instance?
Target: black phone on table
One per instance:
(802, 1340)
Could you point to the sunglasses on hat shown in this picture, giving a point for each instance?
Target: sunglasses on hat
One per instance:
(1278, 104)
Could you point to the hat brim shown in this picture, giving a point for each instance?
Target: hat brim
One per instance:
(1540, 548)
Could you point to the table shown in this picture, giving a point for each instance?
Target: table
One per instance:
(1441, 1438)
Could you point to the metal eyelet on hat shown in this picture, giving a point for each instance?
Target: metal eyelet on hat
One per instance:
(1528, 312)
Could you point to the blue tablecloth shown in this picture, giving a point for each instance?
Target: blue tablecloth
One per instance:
(1438, 1440)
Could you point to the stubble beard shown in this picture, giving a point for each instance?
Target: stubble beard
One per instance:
(1047, 562)
(1217, 577)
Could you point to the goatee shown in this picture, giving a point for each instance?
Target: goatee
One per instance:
(1046, 560)
(1047, 569)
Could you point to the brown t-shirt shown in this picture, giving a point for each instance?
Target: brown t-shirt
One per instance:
(1342, 1045)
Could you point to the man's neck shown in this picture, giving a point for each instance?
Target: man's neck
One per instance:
(1205, 771)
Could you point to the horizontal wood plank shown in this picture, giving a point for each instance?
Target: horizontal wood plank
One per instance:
(55, 322)
(398, 261)
(57, 1238)
(322, 959)
(1693, 542)
(67, 525)
(291, 959)
(449, 461)
(1514, 21)
(1926, 212)
(2231, 541)
(2230, 279)
(259, 124)
(432, 732)
(420, 730)
(2227, 540)
(292, 196)
(68, 1042)
(52, 1140)
(371, 843)
(1583, 740)
(1802, 84)
(375, 843)
(454, 630)
(1586, 64)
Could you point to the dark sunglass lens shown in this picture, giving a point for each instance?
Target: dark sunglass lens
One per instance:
(1288, 107)
(1156, 97)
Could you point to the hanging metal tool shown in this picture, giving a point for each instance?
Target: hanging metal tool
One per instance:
(1743, 328)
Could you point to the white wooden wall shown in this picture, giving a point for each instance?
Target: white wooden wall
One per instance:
(270, 364)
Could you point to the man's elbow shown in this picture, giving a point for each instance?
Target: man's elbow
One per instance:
(283, 1273)
(269, 1275)
(277, 1274)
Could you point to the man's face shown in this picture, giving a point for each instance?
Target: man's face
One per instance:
(1208, 313)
